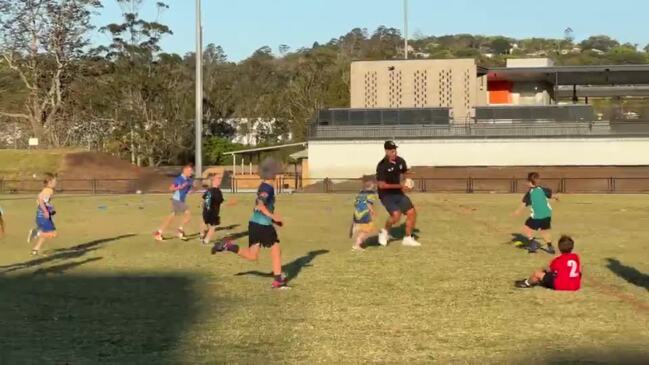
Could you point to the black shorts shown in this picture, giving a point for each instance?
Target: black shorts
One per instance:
(539, 224)
(397, 203)
(261, 234)
(211, 219)
(548, 280)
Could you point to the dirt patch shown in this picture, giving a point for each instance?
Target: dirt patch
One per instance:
(104, 173)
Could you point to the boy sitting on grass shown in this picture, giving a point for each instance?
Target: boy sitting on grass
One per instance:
(364, 213)
(564, 272)
(537, 199)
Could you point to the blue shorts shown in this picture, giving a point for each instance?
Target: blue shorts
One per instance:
(397, 203)
(45, 225)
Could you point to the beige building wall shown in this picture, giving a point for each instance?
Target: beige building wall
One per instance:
(417, 84)
(332, 158)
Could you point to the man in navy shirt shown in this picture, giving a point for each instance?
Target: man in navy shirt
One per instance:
(180, 188)
(391, 193)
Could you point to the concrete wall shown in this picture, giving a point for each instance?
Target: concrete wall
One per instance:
(343, 159)
(416, 84)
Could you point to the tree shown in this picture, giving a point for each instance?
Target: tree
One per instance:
(40, 41)
(501, 45)
(600, 42)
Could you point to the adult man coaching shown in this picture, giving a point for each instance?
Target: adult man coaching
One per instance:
(391, 193)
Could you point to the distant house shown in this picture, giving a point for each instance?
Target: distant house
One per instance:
(253, 131)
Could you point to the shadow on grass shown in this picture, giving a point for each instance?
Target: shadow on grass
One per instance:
(292, 269)
(238, 235)
(628, 273)
(597, 356)
(94, 319)
(399, 232)
(63, 254)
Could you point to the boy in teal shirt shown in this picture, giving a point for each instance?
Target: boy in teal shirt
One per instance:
(537, 199)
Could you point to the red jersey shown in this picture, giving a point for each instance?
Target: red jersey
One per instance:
(567, 269)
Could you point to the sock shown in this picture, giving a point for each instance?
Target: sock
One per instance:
(527, 282)
(232, 247)
(549, 244)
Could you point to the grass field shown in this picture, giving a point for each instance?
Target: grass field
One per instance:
(106, 293)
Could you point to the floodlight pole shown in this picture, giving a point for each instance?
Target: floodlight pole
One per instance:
(198, 154)
(405, 28)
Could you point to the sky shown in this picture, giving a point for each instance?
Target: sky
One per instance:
(242, 26)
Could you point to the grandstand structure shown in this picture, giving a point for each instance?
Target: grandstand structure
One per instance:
(456, 113)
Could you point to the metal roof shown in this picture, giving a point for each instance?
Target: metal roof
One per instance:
(574, 75)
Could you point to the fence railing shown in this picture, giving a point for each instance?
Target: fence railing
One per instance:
(506, 129)
(601, 185)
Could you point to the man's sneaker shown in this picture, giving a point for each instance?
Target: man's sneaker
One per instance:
(157, 235)
(383, 237)
(522, 284)
(358, 248)
(549, 249)
(410, 242)
(181, 234)
(33, 233)
(280, 284)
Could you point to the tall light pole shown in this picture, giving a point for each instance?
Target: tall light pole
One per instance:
(199, 93)
(405, 28)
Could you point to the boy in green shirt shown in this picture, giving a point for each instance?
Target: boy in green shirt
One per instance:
(537, 199)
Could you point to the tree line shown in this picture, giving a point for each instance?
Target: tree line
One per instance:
(130, 97)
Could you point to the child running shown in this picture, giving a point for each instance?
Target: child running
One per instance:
(181, 187)
(261, 232)
(564, 272)
(537, 199)
(364, 213)
(212, 200)
(45, 225)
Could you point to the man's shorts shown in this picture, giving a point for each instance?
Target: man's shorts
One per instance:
(45, 225)
(548, 280)
(261, 234)
(539, 224)
(211, 218)
(397, 203)
(178, 207)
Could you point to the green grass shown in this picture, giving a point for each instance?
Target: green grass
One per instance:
(20, 164)
(106, 293)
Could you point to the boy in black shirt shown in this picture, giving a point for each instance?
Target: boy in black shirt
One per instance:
(212, 200)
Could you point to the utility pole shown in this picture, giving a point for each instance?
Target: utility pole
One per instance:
(405, 28)
(199, 92)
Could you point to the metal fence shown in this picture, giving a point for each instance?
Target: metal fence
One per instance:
(599, 185)
(484, 130)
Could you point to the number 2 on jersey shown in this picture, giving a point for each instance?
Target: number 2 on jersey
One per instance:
(572, 264)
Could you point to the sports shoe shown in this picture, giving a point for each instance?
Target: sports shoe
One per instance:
(157, 235)
(358, 248)
(33, 233)
(549, 249)
(522, 284)
(410, 242)
(280, 284)
(383, 237)
(221, 246)
(181, 234)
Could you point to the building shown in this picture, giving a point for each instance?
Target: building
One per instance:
(456, 113)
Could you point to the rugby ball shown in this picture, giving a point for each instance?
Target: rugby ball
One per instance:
(409, 183)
